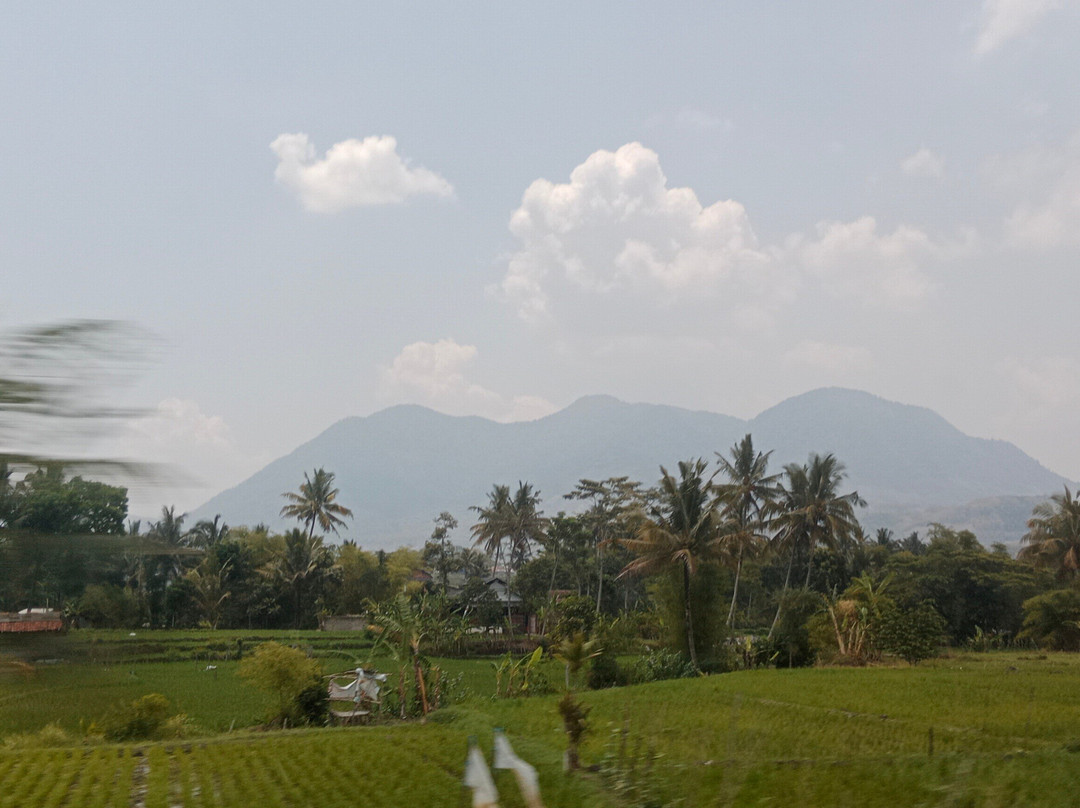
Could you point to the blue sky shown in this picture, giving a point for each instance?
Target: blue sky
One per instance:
(495, 209)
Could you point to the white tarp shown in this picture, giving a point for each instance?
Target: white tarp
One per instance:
(478, 778)
(505, 758)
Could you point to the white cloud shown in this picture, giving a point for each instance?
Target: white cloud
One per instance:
(434, 374)
(1004, 20)
(853, 259)
(923, 163)
(1048, 215)
(196, 452)
(353, 173)
(617, 226)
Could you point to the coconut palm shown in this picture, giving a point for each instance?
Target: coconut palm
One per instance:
(315, 505)
(814, 514)
(1053, 537)
(207, 534)
(515, 520)
(300, 568)
(678, 534)
(493, 524)
(746, 500)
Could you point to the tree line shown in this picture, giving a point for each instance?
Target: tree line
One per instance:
(709, 551)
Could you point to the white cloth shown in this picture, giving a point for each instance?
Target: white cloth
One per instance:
(527, 781)
(478, 778)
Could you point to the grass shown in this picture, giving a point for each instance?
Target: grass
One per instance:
(1003, 727)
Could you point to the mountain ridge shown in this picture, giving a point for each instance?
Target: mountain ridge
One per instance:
(401, 466)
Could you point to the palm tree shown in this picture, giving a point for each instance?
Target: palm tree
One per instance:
(516, 520)
(526, 522)
(492, 525)
(315, 503)
(814, 514)
(207, 534)
(678, 534)
(304, 561)
(747, 498)
(1053, 537)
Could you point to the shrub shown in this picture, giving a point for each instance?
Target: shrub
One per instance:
(911, 634)
(1052, 620)
(790, 644)
(604, 672)
(575, 615)
(313, 703)
(660, 664)
(284, 674)
(48, 736)
(142, 719)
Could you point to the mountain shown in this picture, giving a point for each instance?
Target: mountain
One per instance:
(399, 468)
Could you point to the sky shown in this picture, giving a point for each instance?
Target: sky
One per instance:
(323, 210)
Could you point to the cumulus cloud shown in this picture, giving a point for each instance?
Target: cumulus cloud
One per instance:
(353, 173)
(617, 226)
(1005, 20)
(923, 163)
(435, 374)
(617, 236)
(854, 259)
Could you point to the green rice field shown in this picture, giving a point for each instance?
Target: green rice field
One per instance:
(994, 729)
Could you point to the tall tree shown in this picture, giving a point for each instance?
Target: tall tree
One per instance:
(208, 533)
(300, 569)
(1053, 537)
(611, 505)
(315, 503)
(492, 526)
(814, 513)
(747, 497)
(678, 534)
(439, 551)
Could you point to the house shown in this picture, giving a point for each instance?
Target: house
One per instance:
(30, 621)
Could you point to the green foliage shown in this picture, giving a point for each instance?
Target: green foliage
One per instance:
(661, 664)
(573, 615)
(575, 717)
(1052, 620)
(145, 718)
(108, 606)
(284, 674)
(604, 672)
(44, 502)
(912, 634)
(520, 676)
(790, 646)
(969, 586)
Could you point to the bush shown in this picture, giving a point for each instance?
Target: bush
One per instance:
(313, 704)
(662, 664)
(143, 719)
(790, 644)
(605, 672)
(1052, 620)
(284, 674)
(50, 735)
(911, 634)
(574, 614)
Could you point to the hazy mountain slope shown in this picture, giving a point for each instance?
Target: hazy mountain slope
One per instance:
(398, 468)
